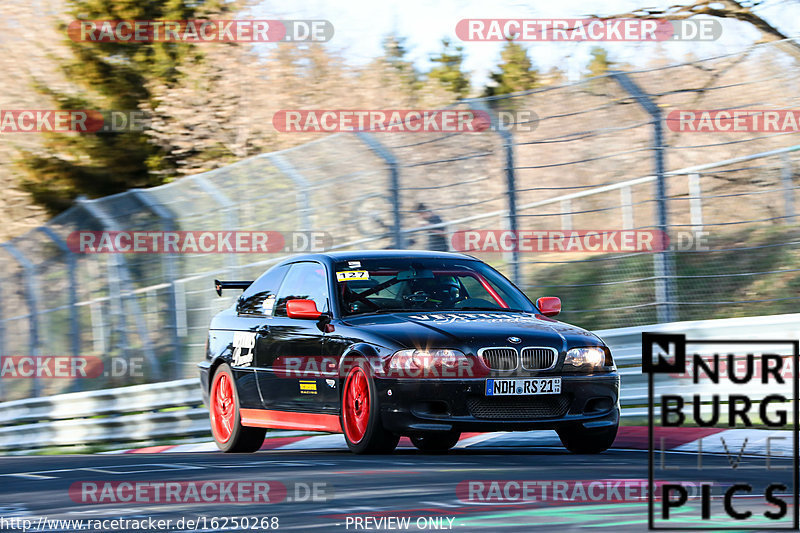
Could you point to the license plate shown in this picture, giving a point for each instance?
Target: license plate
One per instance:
(523, 387)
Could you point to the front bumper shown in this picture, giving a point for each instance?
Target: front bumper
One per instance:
(414, 406)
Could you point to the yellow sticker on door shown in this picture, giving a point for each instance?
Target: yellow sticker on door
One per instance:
(352, 275)
(308, 387)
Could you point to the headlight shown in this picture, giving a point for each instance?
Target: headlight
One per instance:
(425, 359)
(589, 358)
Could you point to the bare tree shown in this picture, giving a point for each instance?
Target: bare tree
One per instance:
(725, 9)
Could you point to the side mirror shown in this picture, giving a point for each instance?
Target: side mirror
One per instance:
(549, 305)
(306, 309)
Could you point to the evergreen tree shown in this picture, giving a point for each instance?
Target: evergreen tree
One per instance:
(395, 56)
(517, 72)
(447, 69)
(599, 64)
(109, 76)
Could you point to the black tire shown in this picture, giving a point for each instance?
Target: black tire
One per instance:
(587, 441)
(242, 439)
(374, 439)
(436, 442)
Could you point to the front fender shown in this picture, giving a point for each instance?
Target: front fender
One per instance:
(373, 354)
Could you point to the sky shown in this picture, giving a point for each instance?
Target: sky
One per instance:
(361, 25)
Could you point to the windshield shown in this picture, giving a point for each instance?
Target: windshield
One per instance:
(397, 284)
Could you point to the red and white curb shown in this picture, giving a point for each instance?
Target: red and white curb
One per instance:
(734, 442)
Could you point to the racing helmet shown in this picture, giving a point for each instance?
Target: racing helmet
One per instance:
(442, 288)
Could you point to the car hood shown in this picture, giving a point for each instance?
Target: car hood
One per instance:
(471, 330)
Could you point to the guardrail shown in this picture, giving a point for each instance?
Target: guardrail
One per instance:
(167, 410)
(173, 410)
(625, 344)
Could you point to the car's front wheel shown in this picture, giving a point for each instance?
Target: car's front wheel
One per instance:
(580, 440)
(226, 424)
(361, 417)
(436, 442)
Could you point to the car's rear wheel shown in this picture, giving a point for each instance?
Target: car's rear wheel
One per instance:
(226, 424)
(435, 442)
(361, 417)
(580, 440)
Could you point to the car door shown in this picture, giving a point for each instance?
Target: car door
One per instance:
(253, 313)
(292, 351)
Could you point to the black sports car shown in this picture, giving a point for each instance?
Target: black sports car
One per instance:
(381, 344)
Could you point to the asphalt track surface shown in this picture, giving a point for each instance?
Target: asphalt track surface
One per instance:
(404, 484)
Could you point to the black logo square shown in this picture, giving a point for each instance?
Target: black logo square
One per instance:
(671, 345)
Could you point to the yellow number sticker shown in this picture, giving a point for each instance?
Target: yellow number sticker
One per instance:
(352, 275)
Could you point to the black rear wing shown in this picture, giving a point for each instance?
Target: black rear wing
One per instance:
(220, 285)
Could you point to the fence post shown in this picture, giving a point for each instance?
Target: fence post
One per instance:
(72, 295)
(31, 295)
(96, 311)
(181, 320)
(301, 186)
(171, 272)
(626, 201)
(228, 207)
(788, 188)
(394, 183)
(121, 291)
(511, 191)
(566, 215)
(695, 202)
(511, 184)
(662, 261)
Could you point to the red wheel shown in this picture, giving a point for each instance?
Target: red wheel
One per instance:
(361, 417)
(356, 405)
(226, 424)
(223, 407)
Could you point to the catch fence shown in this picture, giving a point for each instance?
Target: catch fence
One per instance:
(600, 155)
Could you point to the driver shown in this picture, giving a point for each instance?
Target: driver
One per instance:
(443, 291)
